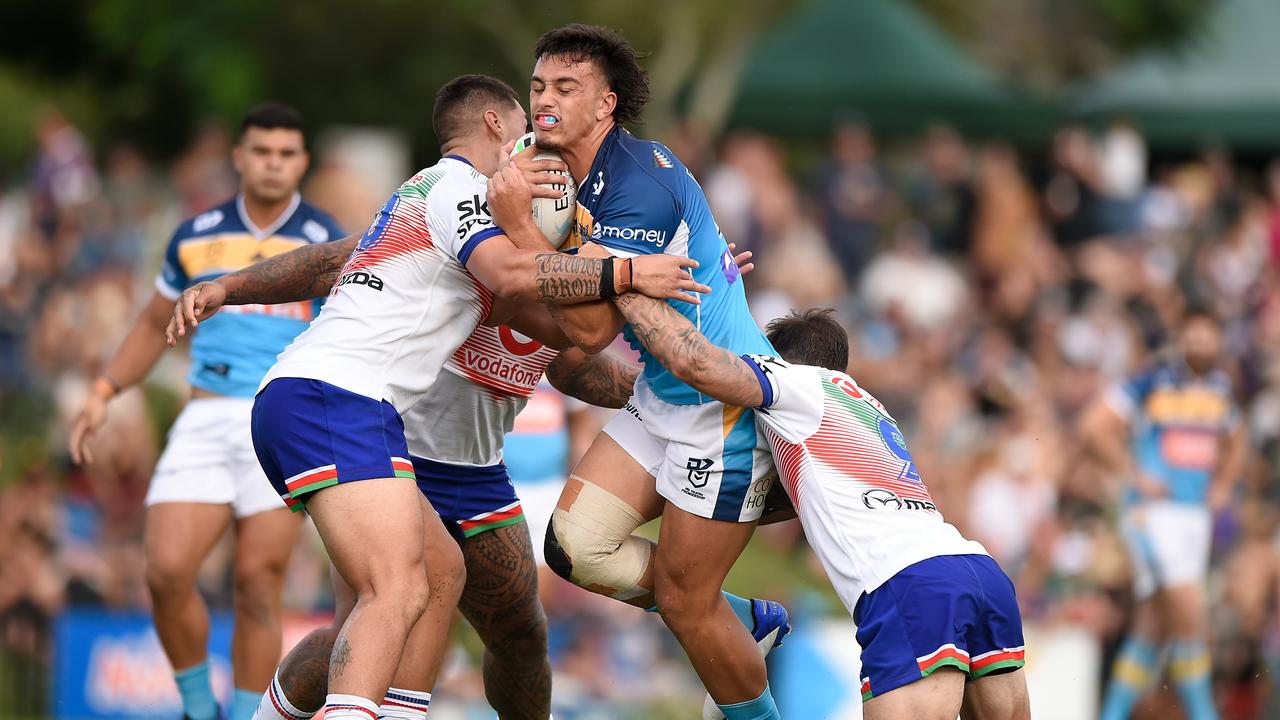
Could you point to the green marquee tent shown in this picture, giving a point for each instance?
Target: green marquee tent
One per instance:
(1222, 84)
(879, 59)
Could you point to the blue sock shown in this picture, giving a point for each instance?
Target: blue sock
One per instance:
(1189, 670)
(244, 703)
(197, 692)
(742, 608)
(1136, 668)
(762, 708)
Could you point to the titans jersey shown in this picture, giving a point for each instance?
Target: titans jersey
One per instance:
(236, 347)
(1179, 420)
(639, 199)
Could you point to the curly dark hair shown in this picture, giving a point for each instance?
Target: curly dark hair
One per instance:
(617, 59)
(812, 337)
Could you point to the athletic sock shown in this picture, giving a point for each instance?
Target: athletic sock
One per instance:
(349, 707)
(275, 706)
(1189, 670)
(243, 704)
(404, 705)
(1136, 668)
(742, 608)
(762, 708)
(197, 692)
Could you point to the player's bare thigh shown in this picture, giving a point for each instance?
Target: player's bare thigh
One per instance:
(936, 697)
(612, 468)
(1002, 696)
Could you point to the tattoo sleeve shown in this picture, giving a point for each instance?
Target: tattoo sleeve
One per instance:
(562, 278)
(301, 274)
(677, 344)
(602, 380)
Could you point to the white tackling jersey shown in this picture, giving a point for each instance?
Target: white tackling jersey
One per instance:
(846, 467)
(404, 301)
(464, 418)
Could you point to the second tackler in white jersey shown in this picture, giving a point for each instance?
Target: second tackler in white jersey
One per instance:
(404, 302)
(464, 417)
(846, 467)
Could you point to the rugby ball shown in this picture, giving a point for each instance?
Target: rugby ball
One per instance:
(553, 217)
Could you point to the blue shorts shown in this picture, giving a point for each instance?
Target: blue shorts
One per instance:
(469, 499)
(310, 435)
(956, 610)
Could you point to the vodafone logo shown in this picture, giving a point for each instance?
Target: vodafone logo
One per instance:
(517, 344)
(848, 387)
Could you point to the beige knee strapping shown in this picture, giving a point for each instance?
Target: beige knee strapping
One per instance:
(595, 534)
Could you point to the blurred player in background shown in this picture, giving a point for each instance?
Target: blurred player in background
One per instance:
(1175, 432)
(675, 453)
(938, 621)
(208, 477)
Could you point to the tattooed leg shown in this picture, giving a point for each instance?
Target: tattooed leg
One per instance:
(304, 672)
(501, 601)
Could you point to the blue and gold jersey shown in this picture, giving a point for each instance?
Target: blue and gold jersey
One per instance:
(233, 349)
(639, 199)
(1179, 420)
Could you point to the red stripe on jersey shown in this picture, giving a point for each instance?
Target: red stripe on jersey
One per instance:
(406, 232)
(790, 459)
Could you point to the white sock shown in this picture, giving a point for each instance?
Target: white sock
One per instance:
(349, 707)
(275, 706)
(404, 705)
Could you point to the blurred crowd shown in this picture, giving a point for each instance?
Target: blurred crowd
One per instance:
(991, 292)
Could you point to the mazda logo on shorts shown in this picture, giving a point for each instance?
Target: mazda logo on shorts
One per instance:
(878, 499)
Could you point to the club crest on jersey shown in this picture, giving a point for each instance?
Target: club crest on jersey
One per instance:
(661, 160)
(897, 444)
(379, 225)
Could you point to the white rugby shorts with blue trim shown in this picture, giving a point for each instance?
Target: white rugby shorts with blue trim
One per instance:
(709, 460)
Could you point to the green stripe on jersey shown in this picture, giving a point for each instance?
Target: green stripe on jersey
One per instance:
(420, 185)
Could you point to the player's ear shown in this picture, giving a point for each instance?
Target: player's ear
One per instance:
(608, 102)
(237, 157)
(493, 123)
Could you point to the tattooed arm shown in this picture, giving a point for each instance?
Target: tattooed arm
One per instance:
(563, 279)
(301, 274)
(687, 353)
(602, 380)
(516, 264)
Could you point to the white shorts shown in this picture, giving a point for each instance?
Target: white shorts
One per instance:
(209, 458)
(709, 460)
(1168, 544)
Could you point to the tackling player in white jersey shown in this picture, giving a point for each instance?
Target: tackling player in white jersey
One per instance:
(937, 619)
(327, 421)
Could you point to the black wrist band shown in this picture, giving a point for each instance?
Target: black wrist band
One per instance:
(607, 290)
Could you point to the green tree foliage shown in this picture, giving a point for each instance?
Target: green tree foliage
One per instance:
(147, 71)
(1046, 44)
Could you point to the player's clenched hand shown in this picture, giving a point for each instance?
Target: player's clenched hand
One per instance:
(91, 417)
(541, 175)
(510, 198)
(665, 277)
(197, 303)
